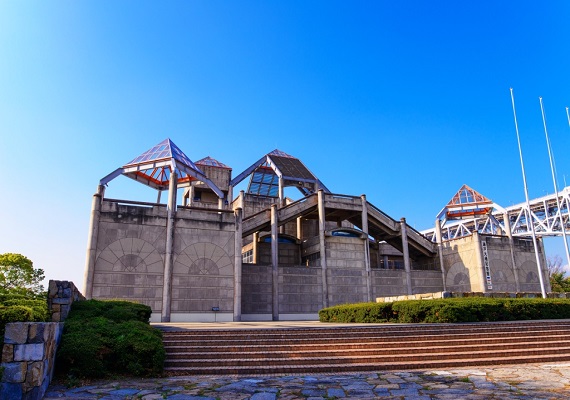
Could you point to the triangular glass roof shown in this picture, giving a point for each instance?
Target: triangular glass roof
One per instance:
(163, 151)
(266, 172)
(468, 196)
(154, 167)
(211, 162)
(467, 203)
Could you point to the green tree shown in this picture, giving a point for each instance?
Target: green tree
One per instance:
(559, 282)
(18, 275)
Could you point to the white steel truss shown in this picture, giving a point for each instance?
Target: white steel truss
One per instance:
(543, 214)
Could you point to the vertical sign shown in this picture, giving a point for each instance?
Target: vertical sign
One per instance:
(486, 265)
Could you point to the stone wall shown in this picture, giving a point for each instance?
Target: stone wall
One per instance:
(28, 358)
(61, 295)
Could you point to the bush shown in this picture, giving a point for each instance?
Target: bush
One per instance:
(472, 309)
(115, 310)
(106, 338)
(17, 308)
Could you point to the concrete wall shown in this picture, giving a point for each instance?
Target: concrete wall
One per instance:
(300, 292)
(465, 269)
(130, 259)
(346, 270)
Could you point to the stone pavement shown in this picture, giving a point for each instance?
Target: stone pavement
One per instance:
(525, 381)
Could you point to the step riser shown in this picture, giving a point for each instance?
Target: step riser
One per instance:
(340, 340)
(170, 348)
(364, 367)
(357, 360)
(363, 349)
(355, 352)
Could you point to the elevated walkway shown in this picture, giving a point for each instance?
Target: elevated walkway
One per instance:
(345, 208)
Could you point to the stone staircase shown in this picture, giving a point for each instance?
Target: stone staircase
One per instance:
(364, 348)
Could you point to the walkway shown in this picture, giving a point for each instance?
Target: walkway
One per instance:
(532, 381)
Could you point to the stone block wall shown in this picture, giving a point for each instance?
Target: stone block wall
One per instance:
(61, 295)
(28, 358)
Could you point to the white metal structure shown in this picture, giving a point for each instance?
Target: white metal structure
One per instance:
(544, 215)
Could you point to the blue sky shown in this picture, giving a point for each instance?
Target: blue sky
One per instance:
(403, 101)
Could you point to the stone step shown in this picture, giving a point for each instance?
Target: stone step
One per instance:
(363, 366)
(230, 347)
(313, 350)
(204, 354)
(369, 359)
(339, 338)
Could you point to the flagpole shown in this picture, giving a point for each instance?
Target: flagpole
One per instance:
(562, 225)
(529, 215)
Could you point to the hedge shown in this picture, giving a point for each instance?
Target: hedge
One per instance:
(449, 310)
(108, 338)
(21, 309)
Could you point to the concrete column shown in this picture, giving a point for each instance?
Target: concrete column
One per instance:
(92, 242)
(230, 195)
(281, 192)
(167, 284)
(481, 264)
(158, 196)
(439, 239)
(300, 238)
(323, 252)
(366, 247)
(191, 195)
(512, 247)
(405, 250)
(385, 261)
(185, 197)
(275, 262)
(238, 264)
(220, 203)
(241, 202)
(255, 246)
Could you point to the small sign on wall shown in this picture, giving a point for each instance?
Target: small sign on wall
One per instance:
(486, 265)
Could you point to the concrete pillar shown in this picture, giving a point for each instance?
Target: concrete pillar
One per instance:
(191, 195)
(241, 202)
(158, 196)
(366, 247)
(385, 261)
(255, 246)
(220, 203)
(167, 284)
(92, 242)
(238, 264)
(275, 262)
(512, 247)
(323, 252)
(281, 192)
(439, 239)
(300, 238)
(230, 195)
(405, 250)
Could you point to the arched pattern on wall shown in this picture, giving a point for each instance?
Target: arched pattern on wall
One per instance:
(202, 279)
(502, 276)
(457, 278)
(130, 268)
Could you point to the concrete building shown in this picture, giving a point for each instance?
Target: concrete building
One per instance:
(259, 255)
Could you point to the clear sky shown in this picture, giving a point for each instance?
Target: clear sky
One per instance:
(404, 101)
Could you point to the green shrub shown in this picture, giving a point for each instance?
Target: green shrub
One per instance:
(468, 309)
(39, 307)
(115, 310)
(105, 338)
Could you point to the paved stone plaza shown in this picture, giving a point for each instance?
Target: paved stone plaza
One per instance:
(529, 381)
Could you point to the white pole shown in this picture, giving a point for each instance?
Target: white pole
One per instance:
(529, 215)
(562, 225)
